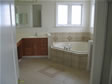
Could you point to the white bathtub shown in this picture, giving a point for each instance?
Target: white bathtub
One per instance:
(74, 47)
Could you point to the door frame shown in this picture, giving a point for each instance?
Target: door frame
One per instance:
(8, 60)
(99, 40)
(107, 63)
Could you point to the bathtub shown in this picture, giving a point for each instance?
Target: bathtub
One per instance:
(74, 47)
(73, 54)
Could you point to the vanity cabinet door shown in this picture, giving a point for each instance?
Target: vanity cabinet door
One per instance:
(35, 47)
(41, 47)
(44, 46)
(28, 46)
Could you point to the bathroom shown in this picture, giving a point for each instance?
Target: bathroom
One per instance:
(53, 47)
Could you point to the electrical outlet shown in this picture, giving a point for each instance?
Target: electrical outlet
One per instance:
(20, 81)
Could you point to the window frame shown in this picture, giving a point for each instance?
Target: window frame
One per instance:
(69, 22)
(92, 16)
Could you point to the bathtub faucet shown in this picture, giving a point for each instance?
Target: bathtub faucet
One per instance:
(36, 34)
(67, 47)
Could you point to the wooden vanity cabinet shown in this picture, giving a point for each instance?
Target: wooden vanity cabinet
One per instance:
(35, 46)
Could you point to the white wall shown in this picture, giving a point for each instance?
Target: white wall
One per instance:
(49, 19)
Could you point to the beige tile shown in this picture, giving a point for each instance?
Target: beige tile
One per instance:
(30, 73)
(75, 61)
(70, 36)
(67, 59)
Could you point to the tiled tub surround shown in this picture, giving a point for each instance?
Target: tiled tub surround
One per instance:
(70, 36)
(73, 58)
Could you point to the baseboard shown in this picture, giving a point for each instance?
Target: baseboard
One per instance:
(35, 56)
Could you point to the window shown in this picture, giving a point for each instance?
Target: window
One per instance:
(62, 14)
(69, 15)
(76, 14)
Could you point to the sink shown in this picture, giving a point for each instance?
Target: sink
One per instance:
(32, 36)
(36, 36)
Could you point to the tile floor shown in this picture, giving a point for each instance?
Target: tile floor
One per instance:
(44, 71)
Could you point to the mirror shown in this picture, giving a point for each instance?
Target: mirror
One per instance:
(28, 16)
(36, 15)
(21, 18)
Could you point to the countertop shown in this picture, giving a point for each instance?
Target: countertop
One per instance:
(18, 38)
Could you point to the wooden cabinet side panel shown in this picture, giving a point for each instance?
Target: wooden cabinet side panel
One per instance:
(20, 49)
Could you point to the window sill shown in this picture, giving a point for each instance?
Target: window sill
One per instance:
(73, 26)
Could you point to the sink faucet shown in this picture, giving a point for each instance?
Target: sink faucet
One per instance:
(36, 34)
